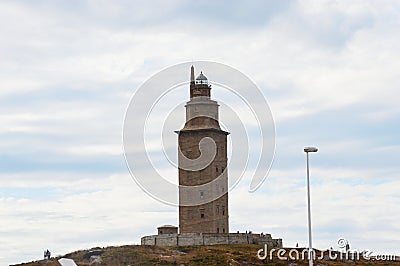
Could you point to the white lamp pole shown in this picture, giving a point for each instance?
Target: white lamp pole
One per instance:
(310, 249)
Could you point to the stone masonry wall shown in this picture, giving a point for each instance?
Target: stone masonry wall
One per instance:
(198, 239)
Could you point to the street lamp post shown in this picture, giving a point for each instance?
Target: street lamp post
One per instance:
(310, 249)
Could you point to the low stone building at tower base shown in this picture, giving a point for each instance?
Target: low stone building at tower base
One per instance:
(198, 239)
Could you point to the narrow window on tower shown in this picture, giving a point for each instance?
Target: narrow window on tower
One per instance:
(217, 209)
(201, 194)
(217, 229)
(223, 210)
(202, 213)
(216, 169)
(223, 230)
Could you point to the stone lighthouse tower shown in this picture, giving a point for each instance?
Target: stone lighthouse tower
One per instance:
(203, 177)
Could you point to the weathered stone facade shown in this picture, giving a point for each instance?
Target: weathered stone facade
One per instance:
(167, 229)
(203, 176)
(203, 180)
(197, 239)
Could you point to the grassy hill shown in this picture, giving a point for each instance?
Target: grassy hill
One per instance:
(196, 255)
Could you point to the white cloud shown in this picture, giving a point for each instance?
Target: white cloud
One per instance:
(114, 207)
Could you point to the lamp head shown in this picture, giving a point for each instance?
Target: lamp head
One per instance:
(310, 149)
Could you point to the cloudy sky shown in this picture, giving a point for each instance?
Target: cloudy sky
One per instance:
(68, 69)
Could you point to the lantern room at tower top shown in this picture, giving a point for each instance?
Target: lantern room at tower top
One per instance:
(199, 87)
(201, 79)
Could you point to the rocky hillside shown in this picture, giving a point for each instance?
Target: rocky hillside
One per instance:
(198, 255)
